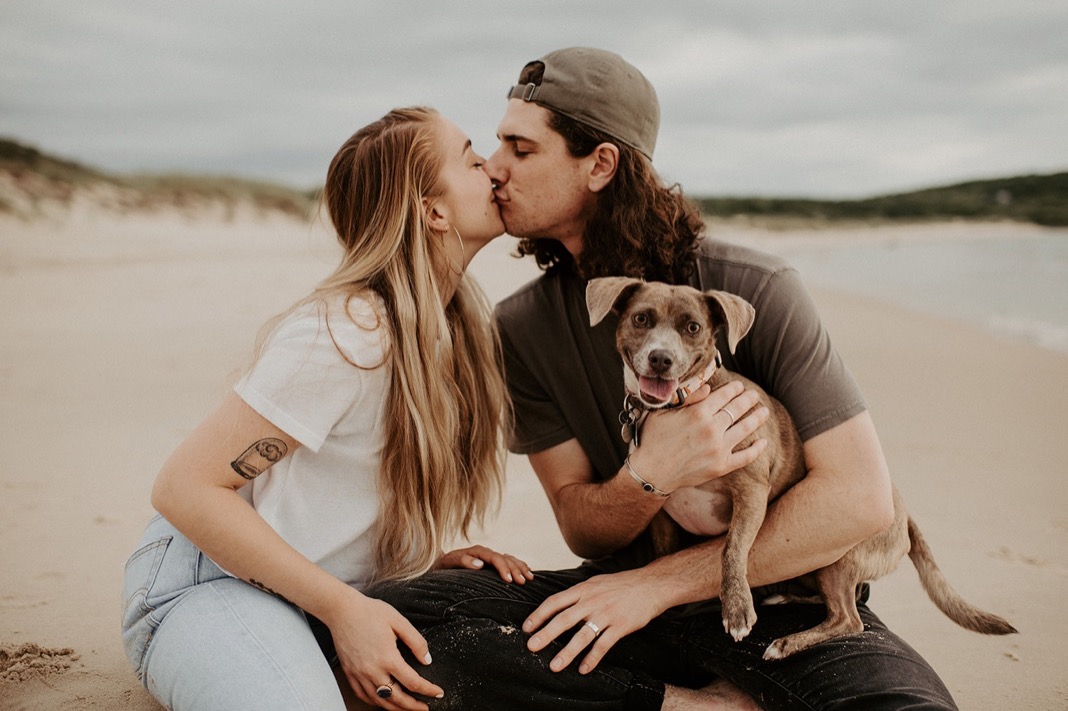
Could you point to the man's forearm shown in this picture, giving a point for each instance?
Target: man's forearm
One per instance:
(845, 497)
(597, 519)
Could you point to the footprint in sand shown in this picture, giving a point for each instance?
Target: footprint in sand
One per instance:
(1005, 553)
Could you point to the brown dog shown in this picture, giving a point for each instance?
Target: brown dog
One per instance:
(666, 337)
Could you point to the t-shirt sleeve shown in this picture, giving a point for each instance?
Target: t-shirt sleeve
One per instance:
(538, 423)
(307, 376)
(790, 349)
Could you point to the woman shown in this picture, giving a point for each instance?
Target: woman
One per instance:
(364, 437)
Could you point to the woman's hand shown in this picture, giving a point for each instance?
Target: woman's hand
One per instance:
(365, 633)
(510, 568)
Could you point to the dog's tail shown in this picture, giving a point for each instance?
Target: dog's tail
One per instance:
(945, 597)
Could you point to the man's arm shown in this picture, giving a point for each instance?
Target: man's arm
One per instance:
(845, 498)
(682, 447)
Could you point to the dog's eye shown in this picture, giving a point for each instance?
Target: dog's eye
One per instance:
(693, 327)
(640, 319)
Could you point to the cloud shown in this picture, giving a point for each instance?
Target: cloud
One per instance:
(821, 98)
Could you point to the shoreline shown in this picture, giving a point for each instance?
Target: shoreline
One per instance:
(817, 234)
(122, 333)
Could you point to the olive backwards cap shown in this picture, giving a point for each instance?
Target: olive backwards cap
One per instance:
(599, 89)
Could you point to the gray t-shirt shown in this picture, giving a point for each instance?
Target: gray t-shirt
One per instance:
(566, 379)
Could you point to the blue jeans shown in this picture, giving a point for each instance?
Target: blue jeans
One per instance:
(200, 639)
(472, 623)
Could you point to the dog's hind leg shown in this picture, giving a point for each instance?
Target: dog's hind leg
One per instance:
(838, 586)
(750, 504)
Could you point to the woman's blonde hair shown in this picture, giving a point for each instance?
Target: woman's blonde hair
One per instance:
(442, 457)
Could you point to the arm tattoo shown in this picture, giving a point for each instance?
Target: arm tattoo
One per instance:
(264, 588)
(259, 457)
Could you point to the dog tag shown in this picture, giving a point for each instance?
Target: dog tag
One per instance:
(629, 417)
(629, 431)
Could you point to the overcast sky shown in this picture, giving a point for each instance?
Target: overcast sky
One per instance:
(822, 98)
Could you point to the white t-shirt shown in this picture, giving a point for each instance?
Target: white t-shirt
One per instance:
(322, 498)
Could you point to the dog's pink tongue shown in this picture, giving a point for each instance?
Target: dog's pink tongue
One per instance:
(657, 389)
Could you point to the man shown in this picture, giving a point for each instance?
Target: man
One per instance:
(575, 183)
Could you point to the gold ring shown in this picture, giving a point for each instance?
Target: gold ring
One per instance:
(730, 415)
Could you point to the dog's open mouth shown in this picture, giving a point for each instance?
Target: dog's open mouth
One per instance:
(657, 390)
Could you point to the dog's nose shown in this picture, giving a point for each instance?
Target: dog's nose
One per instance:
(660, 360)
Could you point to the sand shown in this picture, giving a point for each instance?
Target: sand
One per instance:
(119, 333)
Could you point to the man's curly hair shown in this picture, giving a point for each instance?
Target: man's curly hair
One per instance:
(641, 227)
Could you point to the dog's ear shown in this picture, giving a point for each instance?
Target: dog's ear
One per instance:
(608, 294)
(731, 311)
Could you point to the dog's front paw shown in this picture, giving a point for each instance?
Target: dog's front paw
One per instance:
(739, 616)
(783, 647)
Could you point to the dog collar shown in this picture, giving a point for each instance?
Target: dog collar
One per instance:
(686, 389)
(634, 410)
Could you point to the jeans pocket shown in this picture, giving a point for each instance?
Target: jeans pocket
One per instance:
(138, 626)
(141, 570)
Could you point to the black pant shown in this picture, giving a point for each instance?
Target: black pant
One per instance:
(472, 619)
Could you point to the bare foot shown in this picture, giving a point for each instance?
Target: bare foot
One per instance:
(720, 695)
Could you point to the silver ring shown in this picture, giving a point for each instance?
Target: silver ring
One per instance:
(730, 415)
(595, 628)
(385, 690)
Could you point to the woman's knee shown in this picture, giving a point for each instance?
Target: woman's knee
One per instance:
(229, 645)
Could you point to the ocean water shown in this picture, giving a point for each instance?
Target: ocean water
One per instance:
(1013, 282)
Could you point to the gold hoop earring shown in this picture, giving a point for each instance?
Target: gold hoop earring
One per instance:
(460, 271)
(461, 239)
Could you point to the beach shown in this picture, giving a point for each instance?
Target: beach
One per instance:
(122, 331)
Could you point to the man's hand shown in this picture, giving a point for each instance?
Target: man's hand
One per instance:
(606, 608)
(695, 443)
(686, 446)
